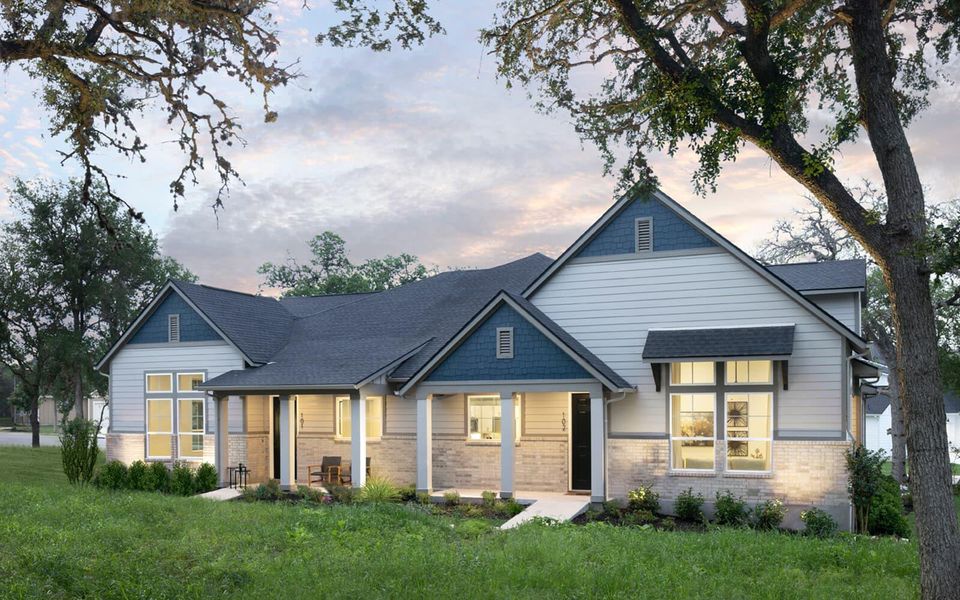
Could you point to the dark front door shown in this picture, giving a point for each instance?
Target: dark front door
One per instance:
(580, 447)
(276, 438)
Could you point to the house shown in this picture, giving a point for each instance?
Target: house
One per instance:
(651, 351)
(878, 421)
(50, 416)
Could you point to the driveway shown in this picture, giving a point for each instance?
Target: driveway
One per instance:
(23, 438)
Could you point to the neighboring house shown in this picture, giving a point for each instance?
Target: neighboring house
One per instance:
(652, 351)
(878, 422)
(49, 416)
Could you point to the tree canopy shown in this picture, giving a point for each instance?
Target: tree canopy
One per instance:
(330, 271)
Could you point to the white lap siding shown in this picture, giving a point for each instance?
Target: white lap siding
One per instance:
(127, 385)
(609, 307)
(845, 307)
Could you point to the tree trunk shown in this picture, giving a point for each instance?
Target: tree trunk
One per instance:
(78, 402)
(921, 397)
(898, 428)
(35, 422)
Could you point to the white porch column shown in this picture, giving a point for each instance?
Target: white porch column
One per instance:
(598, 491)
(288, 477)
(507, 444)
(358, 438)
(222, 404)
(424, 442)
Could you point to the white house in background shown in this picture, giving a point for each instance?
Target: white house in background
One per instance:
(50, 417)
(879, 420)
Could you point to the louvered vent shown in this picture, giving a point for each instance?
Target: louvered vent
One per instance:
(644, 235)
(505, 342)
(173, 329)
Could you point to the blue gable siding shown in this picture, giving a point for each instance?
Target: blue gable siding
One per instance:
(534, 356)
(192, 326)
(670, 232)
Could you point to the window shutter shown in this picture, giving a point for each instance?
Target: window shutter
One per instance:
(173, 330)
(644, 235)
(505, 342)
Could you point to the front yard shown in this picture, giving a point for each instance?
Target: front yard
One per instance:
(56, 541)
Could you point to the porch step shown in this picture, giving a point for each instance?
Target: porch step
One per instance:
(561, 508)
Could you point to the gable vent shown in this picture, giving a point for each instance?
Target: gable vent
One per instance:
(644, 234)
(173, 328)
(504, 342)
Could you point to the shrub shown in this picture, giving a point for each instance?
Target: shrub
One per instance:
(207, 478)
(488, 498)
(182, 482)
(378, 489)
(112, 476)
(472, 511)
(512, 507)
(668, 524)
(309, 494)
(158, 478)
(864, 478)
(611, 509)
(886, 510)
(639, 517)
(643, 498)
(730, 510)
(248, 494)
(451, 498)
(423, 497)
(138, 476)
(407, 493)
(689, 506)
(341, 493)
(769, 514)
(269, 490)
(79, 450)
(818, 523)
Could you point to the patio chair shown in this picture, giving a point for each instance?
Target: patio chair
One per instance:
(328, 471)
(348, 478)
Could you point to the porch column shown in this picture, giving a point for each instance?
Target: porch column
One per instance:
(288, 476)
(222, 404)
(358, 438)
(424, 442)
(598, 491)
(507, 444)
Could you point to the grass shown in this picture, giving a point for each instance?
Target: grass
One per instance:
(887, 468)
(44, 429)
(61, 542)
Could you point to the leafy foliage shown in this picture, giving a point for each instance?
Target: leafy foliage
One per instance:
(864, 481)
(79, 449)
(207, 478)
(886, 510)
(138, 476)
(689, 506)
(730, 510)
(182, 481)
(379, 489)
(643, 498)
(768, 515)
(158, 478)
(818, 523)
(112, 476)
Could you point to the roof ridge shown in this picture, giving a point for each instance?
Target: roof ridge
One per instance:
(220, 289)
(282, 298)
(816, 262)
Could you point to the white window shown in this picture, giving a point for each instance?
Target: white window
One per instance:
(693, 431)
(188, 382)
(749, 372)
(190, 428)
(504, 342)
(644, 234)
(692, 373)
(483, 418)
(749, 427)
(173, 328)
(374, 417)
(160, 428)
(159, 383)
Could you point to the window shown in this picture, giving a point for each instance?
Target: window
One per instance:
(749, 425)
(374, 417)
(162, 382)
(159, 428)
(748, 372)
(644, 234)
(504, 342)
(692, 373)
(483, 417)
(190, 428)
(173, 328)
(693, 431)
(188, 382)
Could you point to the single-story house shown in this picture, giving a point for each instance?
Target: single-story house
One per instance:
(50, 416)
(879, 421)
(653, 350)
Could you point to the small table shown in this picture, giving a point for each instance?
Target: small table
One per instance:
(238, 475)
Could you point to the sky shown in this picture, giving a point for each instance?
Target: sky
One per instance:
(420, 151)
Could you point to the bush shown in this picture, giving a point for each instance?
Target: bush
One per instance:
(730, 510)
(309, 494)
(769, 514)
(138, 476)
(512, 507)
(864, 479)
(451, 498)
(643, 498)
(818, 523)
(207, 478)
(378, 489)
(886, 510)
(488, 498)
(689, 506)
(423, 498)
(79, 450)
(270, 490)
(112, 476)
(341, 493)
(182, 482)
(158, 478)
(668, 524)
(407, 493)
(639, 517)
(248, 494)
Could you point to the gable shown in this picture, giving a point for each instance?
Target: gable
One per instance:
(670, 231)
(534, 355)
(193, 327)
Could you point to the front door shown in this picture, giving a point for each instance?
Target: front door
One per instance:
(276, 437)
(580, 442)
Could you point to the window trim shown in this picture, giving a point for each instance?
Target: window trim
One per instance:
(509, 332)
(146, 382)
(713, 370)
(729, 383)
(171, 319)
(636, 235)
(714, 439)
(726, 435)
(203, 430)
(170, 432)
(337, 412)
(179, 375)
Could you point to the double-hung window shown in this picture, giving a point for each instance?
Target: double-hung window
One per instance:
(749, 430)
(693, 431)
(374, 417)
(175, 413)
(484, 418)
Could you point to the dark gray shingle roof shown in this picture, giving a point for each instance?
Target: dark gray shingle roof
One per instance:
(723, 342)
(878, 403)
(304, 306)
(951, 401)
(828, 275)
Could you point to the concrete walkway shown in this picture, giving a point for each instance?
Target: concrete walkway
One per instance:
(221, 495)
(551, 505)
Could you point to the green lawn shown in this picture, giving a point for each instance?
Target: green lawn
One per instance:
(58, 542)
(953, 466)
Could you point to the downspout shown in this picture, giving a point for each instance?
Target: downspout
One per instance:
(606, 436)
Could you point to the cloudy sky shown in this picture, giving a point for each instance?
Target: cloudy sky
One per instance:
(419, 151)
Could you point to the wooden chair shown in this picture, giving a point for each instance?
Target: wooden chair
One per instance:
(328, 471)
(348, 477)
